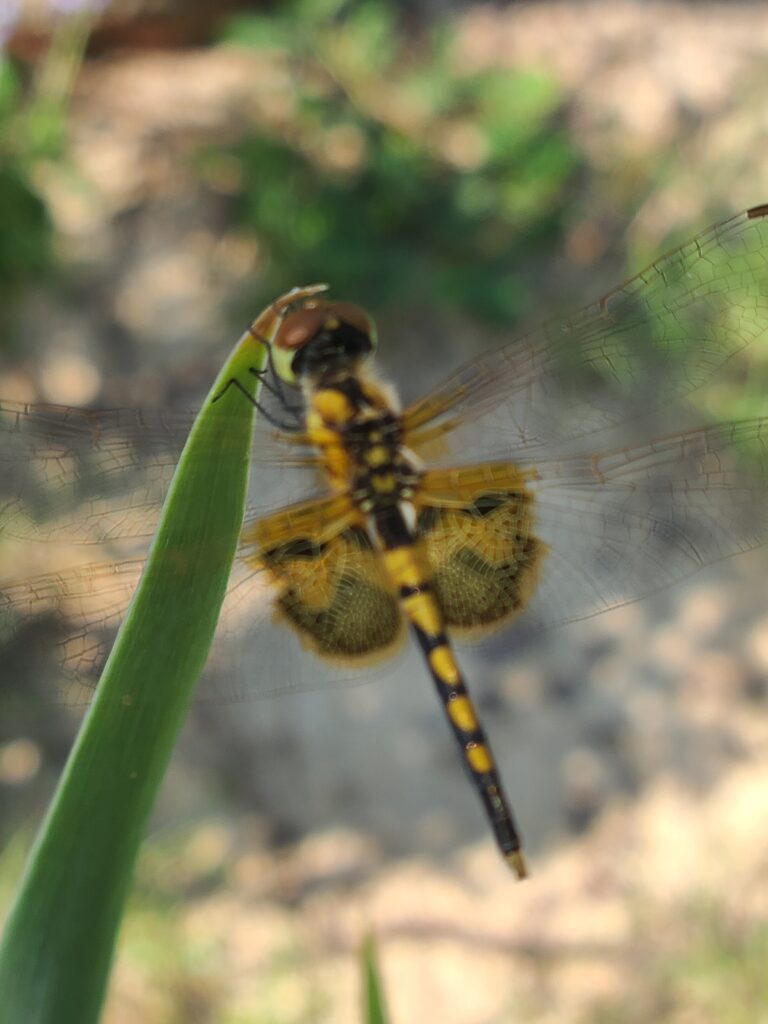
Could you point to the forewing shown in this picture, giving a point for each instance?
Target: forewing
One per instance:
(622, 524)
(73, 614)
(98, 477)
(655, 338)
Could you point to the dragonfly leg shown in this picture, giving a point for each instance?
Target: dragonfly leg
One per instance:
(289, 428)
(263, 330)
(275, 388)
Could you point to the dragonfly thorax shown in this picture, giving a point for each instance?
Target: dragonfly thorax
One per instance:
(355, 424)
(383, 472)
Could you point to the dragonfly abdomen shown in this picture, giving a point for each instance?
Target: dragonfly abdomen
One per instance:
(408, 572)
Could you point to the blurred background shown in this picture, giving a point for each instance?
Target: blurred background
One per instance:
(463, 170)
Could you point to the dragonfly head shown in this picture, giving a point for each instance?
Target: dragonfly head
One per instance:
(322, 340)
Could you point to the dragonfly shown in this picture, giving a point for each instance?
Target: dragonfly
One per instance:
(499, 496)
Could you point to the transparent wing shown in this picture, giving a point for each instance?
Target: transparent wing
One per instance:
(562, 540)
(70, 477)
(657, 337)
(96, 477)
(61, 626)
(323, 590)
(623, 524)
(618, 523)
(615, 526)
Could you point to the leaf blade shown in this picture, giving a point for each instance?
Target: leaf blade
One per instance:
(59, 937)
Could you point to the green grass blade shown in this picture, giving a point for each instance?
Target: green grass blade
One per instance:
(59, 937)
(373, 994)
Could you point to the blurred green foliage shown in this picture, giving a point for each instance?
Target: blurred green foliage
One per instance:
(710, 966)
(34, 113)
(25, 228)
(724, 970)
(384, 165)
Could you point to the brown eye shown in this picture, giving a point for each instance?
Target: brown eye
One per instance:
(342, 325)
(350, 314)
(300, 327)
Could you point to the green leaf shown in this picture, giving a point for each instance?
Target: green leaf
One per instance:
(373, 995)
(59, 938)
(255, 31)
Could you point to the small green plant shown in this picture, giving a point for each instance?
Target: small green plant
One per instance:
(374, 1008)
(26, 235)
(385, 166)
(33, 131)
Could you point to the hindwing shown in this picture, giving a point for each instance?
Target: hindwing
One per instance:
(476, 525)
(329, 582)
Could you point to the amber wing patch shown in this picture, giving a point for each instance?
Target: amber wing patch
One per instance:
(477, 528)
(330, 587)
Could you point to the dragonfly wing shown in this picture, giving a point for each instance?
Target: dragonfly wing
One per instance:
(477, 527)
(97, 477)
(310, 566)
(657, 337)
(329, 582)
(61, 627)
(623, 524)
(81, 610)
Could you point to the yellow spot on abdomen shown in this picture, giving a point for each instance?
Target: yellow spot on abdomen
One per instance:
(444, 665)
(479, 758)
(404, 567)
(462, 714)
(423, 612)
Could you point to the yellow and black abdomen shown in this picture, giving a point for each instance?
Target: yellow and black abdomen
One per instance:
(408, 569)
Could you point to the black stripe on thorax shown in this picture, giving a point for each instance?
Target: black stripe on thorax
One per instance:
(352, 390)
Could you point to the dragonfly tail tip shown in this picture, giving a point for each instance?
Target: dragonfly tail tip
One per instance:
(516, 861)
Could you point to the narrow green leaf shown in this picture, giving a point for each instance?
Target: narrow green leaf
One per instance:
(373, 996)
(59, 938)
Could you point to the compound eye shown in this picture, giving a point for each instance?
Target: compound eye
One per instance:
(300, 326)
(297, 329)
(349, 313)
